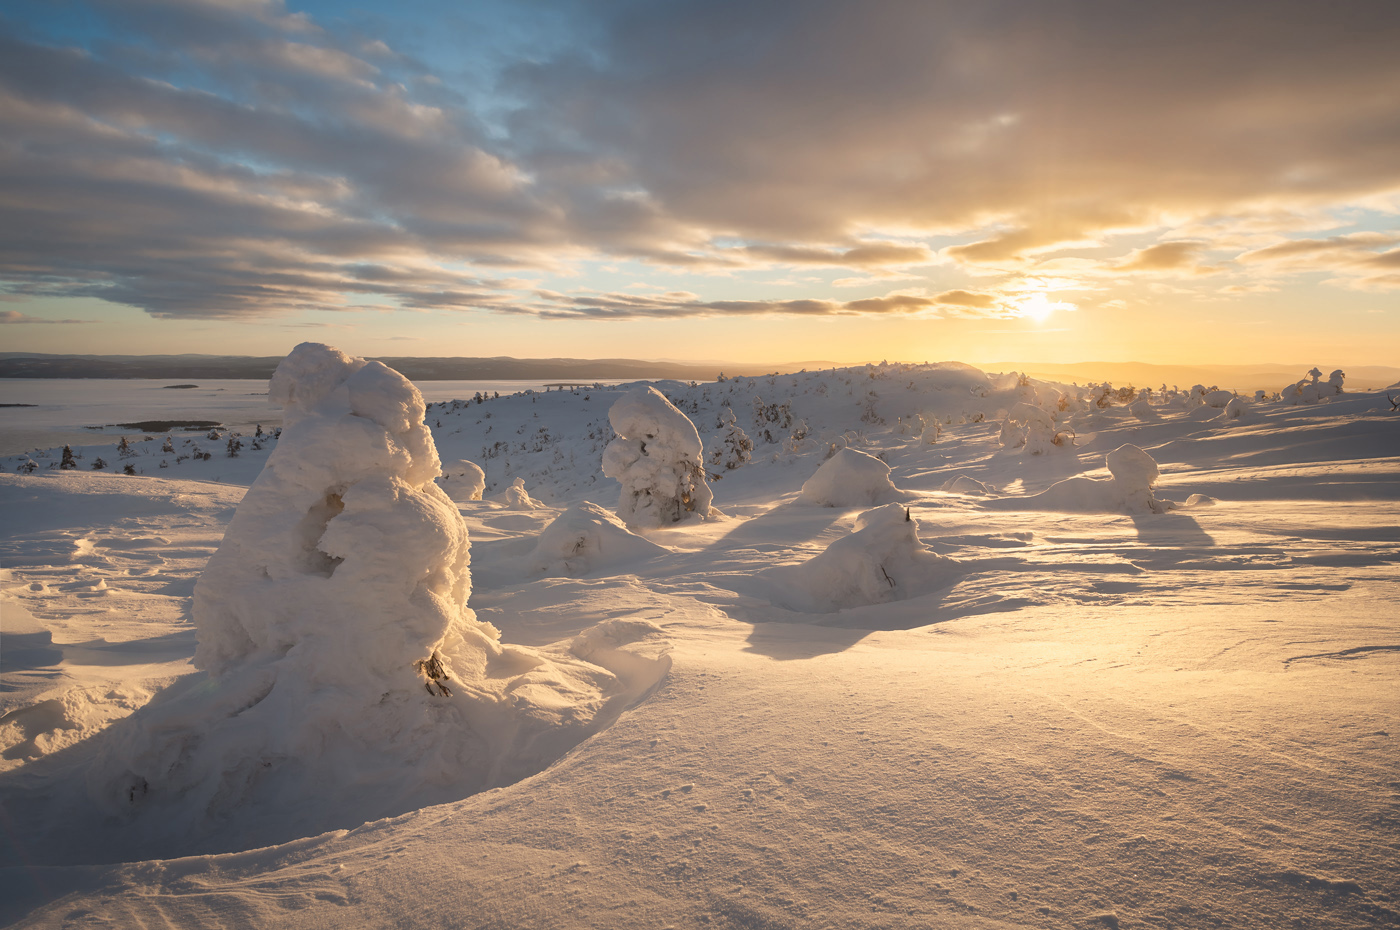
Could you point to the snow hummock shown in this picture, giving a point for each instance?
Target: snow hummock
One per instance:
(463, 480)
(586, 538)
(347, 678)
(881, 560)
(657, 459)
(850, 478)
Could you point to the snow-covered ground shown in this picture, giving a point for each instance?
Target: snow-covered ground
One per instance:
(1000, 685)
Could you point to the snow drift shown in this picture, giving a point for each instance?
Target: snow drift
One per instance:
(586, 538)
(881, 560)
(347, 678)
(1129, 489)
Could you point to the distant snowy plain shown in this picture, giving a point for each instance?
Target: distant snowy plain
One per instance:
(1059, 713)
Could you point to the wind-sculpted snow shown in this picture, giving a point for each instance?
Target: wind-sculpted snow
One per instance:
(1133, 474)
(347, 678)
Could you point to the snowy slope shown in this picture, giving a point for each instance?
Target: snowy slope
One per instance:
(1058, 713)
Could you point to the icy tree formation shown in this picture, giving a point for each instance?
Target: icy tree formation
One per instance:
(305, 556)
(657, 459)
(347, 677)
(1134, 473)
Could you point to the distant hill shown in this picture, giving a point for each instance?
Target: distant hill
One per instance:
(1242, 378)
(31, 365)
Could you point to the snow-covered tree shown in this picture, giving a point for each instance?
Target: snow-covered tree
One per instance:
(67, 461)
(463, 480)
(731, 447)
(657, 459)
(347, 679)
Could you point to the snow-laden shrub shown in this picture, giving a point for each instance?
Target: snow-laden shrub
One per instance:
(1134, 474)
(1313, 389)
(515, 497)
(346, 677)
(586, 538)
(1028, 426)
(656, 457)
(463, 480)
(731, 447)
(1144, 411)
(1238, 409)
(1218, 399)
(881, 560)
(930, 433)
(850, 478)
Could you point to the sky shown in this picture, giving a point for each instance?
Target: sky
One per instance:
(1043, 180)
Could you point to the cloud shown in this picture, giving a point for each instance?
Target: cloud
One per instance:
(800, 121)
(222, 159)
(875, 254)
(972, 299)
(14, 316)
(1164, 256)
(1361, 260)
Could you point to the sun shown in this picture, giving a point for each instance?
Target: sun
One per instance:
(1037, 306)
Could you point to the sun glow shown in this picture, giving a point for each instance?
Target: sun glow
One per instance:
(1039, 306)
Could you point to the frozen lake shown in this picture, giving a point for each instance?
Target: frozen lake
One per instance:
(48, 412)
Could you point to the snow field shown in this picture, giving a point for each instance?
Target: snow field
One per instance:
(1088, 716)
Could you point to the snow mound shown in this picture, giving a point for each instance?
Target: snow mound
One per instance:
(463, 480)
(1144, 411)
(347, 678)
(1238, 409)
(850, 479)
(1129, 490)
(586, 538)
(1218, 399)
(516, 497)
(657, 458)
(882, 560)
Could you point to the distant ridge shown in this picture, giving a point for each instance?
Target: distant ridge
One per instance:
(1266, 376)
(34, 365)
